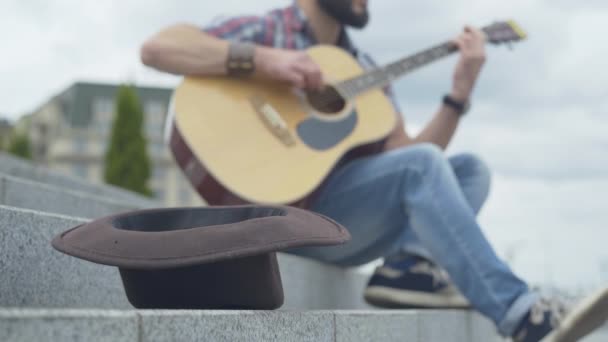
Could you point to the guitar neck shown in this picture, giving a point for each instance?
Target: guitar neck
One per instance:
(381, 76)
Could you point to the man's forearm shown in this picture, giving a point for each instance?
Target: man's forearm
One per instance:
(438, 131)
(185, 50)
(441, 128)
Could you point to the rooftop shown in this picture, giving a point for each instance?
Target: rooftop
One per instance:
(76, 100)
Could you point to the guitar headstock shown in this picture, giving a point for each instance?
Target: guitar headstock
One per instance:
(504, 32)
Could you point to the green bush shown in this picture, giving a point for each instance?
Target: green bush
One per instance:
(127, 163)
(19, 145)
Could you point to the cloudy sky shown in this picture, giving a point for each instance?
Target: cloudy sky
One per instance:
(538, 117)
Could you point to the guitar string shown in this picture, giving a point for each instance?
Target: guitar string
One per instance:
(448, 48)
(328, 99)
(325, 100)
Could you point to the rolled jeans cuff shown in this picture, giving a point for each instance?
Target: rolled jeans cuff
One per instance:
(516, 313)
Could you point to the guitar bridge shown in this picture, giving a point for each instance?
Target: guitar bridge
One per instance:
(272, 119)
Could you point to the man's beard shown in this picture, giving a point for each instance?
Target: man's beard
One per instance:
(342, 11)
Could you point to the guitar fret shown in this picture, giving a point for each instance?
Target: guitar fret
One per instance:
(382, 76)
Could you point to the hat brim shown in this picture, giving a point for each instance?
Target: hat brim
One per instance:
(178, 237)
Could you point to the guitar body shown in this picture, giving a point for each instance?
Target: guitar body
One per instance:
(224, 143)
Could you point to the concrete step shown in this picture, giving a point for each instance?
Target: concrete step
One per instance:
(251, 326)
(21, 193)
(33, 274)
(21, 168)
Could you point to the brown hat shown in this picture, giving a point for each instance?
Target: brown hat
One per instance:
(201, 257)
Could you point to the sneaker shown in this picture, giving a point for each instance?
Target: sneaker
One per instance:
(413, 282)
(549, 321)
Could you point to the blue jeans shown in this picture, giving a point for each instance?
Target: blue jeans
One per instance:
(415, 200)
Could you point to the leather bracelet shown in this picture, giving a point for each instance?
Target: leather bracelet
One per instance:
(240, 59)
(460, 107)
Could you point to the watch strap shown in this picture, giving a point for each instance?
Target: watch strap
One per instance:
(460, 107)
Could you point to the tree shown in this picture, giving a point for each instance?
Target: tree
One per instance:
(19, 145)
(127, 164)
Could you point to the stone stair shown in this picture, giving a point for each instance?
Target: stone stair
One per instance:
(48, 296)
(23, 169)
(294, 326)
(55, 280)
(23, 193)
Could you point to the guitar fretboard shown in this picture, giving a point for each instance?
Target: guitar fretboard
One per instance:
(381, 76)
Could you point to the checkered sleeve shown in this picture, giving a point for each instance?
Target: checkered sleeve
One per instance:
(241, 28)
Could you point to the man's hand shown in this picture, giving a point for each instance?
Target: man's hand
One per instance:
(295, 67)
(471, 44)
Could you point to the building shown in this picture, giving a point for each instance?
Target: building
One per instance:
(6, 129)
(71, 131)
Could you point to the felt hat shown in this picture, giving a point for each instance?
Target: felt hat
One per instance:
(221, 257)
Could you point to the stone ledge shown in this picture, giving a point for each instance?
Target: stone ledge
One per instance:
(17, 167)
(27, 194)
(188, 325)
(68, 325)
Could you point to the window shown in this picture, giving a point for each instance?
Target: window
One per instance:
(41, 150)
(159, 174)
(80, 170)
(154, 113)
(103, 113)
(102, 106)
(104, 127)
(160, 147)
(79, 144)
(155, 148)
(43, 130)
(155, 110)
(105, 144)
(159, 194)
(185, 191)
(184, 196)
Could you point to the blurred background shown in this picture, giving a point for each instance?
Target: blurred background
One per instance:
(538, 115)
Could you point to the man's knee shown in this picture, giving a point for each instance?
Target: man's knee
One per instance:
(422, 159)
(475, 163)
(428, 153)
(475, 167)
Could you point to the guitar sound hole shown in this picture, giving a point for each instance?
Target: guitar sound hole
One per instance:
(326, 101)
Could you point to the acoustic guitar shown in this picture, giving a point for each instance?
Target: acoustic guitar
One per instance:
(265, 142)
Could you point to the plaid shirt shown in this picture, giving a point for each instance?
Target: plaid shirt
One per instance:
(286, 28)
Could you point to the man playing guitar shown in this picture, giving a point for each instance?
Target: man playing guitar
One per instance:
(402, 199)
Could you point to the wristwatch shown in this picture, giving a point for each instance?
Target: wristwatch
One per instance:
(460, 107)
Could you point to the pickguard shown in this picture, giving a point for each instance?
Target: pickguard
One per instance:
(322, 134)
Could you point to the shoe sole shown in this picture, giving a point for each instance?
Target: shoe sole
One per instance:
(584, 319)
(387, 297)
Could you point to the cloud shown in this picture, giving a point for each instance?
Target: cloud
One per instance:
(557, 65)
(568, 144)
(49, 45)
(554, 232)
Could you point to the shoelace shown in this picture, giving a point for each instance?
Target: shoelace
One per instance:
(556, 309)
(425, 267)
